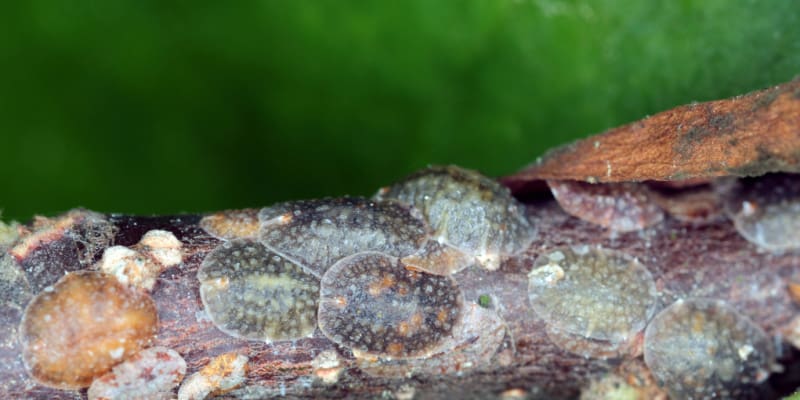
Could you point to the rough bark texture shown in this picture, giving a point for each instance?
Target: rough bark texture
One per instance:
(685, 260)
(748, 135)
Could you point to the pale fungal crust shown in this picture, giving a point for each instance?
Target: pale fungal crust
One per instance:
(129, 267)
(82, 326)
(621, 207)
(232, 224)
(467, 210)
(317, 233)
(141, 265)
(374, 305)
(251, 292)
(149, 374)
(766, 210)
(162, 246)
(703, 348)
(223, 374)
(593, 300)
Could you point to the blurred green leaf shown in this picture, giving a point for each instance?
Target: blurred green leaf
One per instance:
(166, 107)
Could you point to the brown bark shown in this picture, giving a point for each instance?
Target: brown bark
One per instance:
(685, 260)
(747, 135)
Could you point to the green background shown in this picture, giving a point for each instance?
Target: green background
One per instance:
(157, 107)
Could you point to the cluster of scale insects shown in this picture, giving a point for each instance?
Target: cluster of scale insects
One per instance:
(358, 268)
(376, 277)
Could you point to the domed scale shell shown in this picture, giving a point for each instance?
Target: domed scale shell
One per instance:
(373, 304)
(253, 293)
(317, 233)
(765, 210)
(594, 300)
(702, 348)
(467, 210)
(621, 207)
(79, 328)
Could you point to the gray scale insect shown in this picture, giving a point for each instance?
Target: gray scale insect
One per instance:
(702, 348)
(372, 303)
(466, 210)
(253, 293)
(317, 233)
(596, 294)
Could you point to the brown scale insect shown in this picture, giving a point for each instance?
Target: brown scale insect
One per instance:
(621, 207)
(373, 304)
(317, 233)
(82, 326)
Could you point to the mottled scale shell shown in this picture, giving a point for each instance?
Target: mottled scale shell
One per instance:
(253, 293)
(467, 210)
(591, 294)
(373, 304)
(317, 233)
(702, 348)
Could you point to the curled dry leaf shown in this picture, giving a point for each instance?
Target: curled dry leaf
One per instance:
(747, 135)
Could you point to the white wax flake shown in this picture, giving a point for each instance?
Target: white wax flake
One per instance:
(223, 374)
(117, 353)
(129, 267)
(150, 374)
(162, 246)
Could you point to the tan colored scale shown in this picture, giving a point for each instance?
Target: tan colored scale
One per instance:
(232, 224)
(375, 305)
(82, 326)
